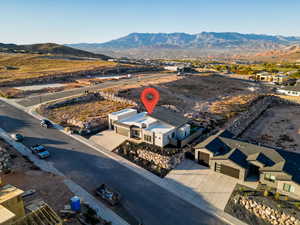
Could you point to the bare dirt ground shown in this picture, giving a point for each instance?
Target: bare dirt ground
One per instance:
(196, 93)
(83, 111)
(49, 188)
(278, 127)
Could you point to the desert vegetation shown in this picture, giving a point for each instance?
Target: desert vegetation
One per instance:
(24, 66)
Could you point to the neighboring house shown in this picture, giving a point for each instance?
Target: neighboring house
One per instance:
(276, 79)
(11, 204)
(245, 161)
(12, 210)
(290, 90)
(159, 128)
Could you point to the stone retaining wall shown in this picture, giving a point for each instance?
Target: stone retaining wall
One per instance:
(71, 101)
(113, 97)
(5, 162)
(272, 216)
(246, 118)
(166, 162)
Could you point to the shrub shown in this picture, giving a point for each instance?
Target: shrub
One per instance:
(266, 193)
(277, 196)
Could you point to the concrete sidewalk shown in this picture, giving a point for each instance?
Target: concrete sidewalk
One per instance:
(98, 206)
(189, 196)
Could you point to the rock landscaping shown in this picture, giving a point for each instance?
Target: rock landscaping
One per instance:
(263, 207)
(153, 158)
(5, 160)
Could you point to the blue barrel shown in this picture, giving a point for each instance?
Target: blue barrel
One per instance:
(75, 203)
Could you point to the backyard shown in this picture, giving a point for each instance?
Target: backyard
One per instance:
(199, 94)
(278, 126)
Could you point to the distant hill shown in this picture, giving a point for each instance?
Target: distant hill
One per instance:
(185, 45)
(49, 48)
(289, 53)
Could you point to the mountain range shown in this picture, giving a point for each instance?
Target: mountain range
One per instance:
(188, 45)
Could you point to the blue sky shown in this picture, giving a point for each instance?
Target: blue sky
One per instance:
(73, 21)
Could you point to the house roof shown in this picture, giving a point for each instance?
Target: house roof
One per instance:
(8, 192)
(6, 215)
(292, 164)
(236, 156)
(169, 117)
(242, 153)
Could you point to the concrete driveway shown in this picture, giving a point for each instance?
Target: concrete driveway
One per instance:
(214, 188)
(109, 139)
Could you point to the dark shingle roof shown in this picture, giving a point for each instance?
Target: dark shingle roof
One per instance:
(236, 156)
(292, 164)
(169, 117)
(242, 153)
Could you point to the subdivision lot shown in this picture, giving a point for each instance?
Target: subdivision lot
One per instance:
(196, 93)
(278, 126)
(89, 168)
(84, 111)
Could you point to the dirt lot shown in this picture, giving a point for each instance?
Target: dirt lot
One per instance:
(24, 66)
(279, 127)
(83, 111)
(49, 188)
(195, 93)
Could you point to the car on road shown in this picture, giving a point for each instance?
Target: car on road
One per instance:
(40, 151)
(17, 137)
(46, 123)
(107, 194)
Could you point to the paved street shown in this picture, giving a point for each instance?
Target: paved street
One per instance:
(90, 168)
(37, 99)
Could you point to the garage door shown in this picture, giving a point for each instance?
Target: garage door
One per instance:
(227, 170)
(122, 131)
(203, 159)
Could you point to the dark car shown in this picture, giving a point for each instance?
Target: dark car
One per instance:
(17, 137)
(106, 193)
(46, 124)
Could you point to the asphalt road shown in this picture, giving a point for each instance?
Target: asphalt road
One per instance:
(89, 168)
(37, 99)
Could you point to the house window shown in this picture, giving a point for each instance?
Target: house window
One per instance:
(173, 134)
(147, 138)
(270, 177)
(288, 188)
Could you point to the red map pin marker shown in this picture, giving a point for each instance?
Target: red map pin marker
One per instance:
(150, 97)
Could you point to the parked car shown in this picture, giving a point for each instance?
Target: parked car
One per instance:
(46, 124)
(112, 197)
(17, 137)
(40, 151)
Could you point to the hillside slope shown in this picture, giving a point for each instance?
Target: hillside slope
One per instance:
(49, 48)
(289, 53)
